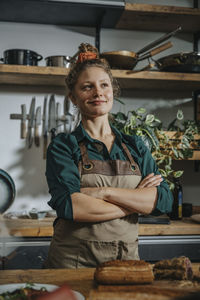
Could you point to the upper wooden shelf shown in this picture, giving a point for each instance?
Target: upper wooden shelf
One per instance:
(108, 13)
(159, 18)
(55, 77)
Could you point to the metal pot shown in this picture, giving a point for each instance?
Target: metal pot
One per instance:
(58, 61)
(184, 62)
(128, 59)
(7, 191)
(21, 57)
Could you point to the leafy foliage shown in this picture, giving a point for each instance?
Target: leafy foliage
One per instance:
(163, 148)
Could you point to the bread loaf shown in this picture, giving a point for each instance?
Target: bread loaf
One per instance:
(124, 272)
(178, 268)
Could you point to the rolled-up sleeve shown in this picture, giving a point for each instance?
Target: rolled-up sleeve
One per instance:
(148, 165)
(62, 174)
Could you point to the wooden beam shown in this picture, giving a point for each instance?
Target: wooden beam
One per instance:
(159, 18)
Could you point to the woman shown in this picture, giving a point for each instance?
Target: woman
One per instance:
(99, 178)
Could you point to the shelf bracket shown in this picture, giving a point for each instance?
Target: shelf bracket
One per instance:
(196, 97)
(196, 36)
(98, 32)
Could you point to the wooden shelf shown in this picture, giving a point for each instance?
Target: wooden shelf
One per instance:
(159, 18)
(157, 80)
(86, 13)
(32, 75)
(55, 77)
(111, 14)
(196, 152)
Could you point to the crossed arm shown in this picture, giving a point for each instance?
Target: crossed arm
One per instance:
(107, 203)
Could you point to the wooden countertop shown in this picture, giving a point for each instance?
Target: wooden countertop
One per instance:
(44, 227)
(78, 279)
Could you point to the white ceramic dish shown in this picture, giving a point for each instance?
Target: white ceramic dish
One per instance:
(196, 218)
(49, 287)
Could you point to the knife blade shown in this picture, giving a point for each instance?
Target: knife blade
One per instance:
(23, 122)
(68, 115)
(52, 113)
(37, 124)
(29, 138)
(52, 116)
(58, 116)
(45, 126)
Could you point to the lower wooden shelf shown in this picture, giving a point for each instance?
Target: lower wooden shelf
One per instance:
(128, 79)
(196, 152)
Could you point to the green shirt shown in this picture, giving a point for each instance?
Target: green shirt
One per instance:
(62, 173)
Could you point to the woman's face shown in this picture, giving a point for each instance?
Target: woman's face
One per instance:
(93, 93)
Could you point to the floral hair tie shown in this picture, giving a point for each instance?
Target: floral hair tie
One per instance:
(86, 56)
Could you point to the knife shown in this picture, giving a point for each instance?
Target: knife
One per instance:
(58, 117)
(29, 137)
(68, 115)
(37, 123)
(52, 115)
(45, 126)
(23, 121)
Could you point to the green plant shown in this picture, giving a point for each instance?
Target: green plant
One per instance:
(163, 149)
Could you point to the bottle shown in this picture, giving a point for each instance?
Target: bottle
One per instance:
(176, 213)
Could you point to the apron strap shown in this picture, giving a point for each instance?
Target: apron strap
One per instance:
(128, 154)
(87, 164)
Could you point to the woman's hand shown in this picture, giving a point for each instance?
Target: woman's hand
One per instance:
(150, 180)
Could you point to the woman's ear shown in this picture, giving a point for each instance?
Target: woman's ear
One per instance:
(72, 98)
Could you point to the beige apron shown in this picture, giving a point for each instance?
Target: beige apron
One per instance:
(84, 244)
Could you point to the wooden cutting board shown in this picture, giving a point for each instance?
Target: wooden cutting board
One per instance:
(158, 290)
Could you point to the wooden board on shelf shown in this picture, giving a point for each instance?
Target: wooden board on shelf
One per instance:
(157, 80)
(159, 18)
(196, 153)
(55, 76)
(32, 75)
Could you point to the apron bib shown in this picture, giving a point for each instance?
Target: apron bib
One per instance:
(85, 244)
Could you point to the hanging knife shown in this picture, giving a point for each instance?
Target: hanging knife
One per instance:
(45, 126)
(58, 117)
(67, 124)
(37, 124)
(29, 137)
(23, 122)
(52, 115)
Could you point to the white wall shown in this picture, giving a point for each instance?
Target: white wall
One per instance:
(26, 166)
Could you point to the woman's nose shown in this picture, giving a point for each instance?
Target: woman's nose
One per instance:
(97, 91)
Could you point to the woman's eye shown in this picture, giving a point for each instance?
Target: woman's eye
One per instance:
(104, 84)
(87, 87)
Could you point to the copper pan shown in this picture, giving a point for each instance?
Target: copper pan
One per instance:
(128, 59)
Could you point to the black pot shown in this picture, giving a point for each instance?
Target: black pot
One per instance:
(8, 191)
(21, 57)
(184, 62)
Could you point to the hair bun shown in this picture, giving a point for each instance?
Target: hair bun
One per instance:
(87, 52)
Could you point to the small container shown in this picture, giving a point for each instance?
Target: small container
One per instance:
(34, 214)
(177, 207)
(187, 210)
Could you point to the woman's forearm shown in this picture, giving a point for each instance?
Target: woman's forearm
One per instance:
(87, 208)
(139, 200)
(142, 200)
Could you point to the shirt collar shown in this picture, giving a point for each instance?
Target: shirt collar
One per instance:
(81, 134)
